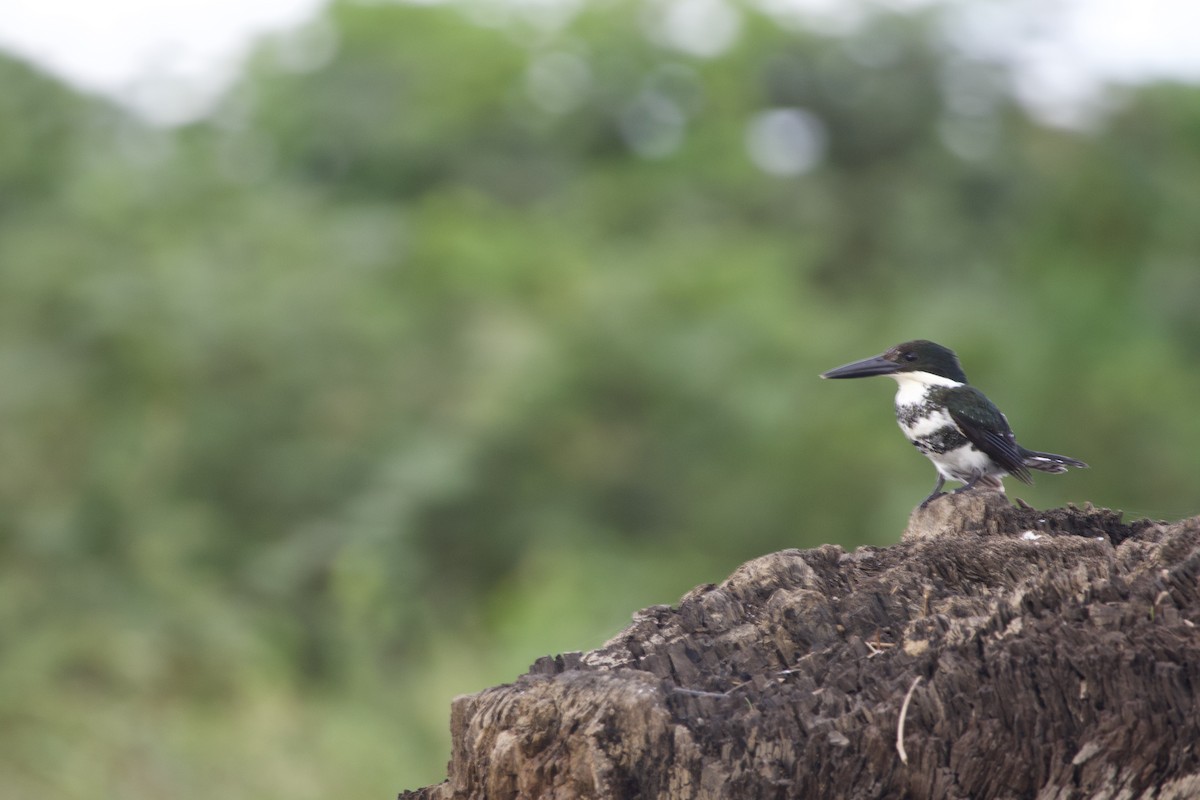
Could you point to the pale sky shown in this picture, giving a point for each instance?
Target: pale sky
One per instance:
(169, 59)
(131, 50)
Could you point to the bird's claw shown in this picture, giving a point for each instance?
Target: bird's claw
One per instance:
(931, 498)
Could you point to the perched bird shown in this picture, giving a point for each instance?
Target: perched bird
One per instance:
(953, 424)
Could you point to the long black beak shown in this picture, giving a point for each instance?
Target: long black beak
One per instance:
(864, 369)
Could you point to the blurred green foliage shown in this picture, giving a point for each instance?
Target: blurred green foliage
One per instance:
(454, 349)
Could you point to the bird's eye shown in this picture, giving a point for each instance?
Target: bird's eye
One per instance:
(910, 356)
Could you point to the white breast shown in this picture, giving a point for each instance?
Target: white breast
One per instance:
(917, 417)
(923, 426)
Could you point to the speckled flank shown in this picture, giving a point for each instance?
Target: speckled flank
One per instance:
(941, 441)
(923, 415)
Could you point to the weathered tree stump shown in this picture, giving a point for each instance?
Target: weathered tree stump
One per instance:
(1057, 652)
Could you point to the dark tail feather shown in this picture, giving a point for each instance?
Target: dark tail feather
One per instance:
(1049, 462)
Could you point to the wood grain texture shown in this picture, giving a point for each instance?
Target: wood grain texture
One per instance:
(1063, 666)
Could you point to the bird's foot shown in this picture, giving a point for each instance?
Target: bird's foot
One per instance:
(969, 485)
(931, 498)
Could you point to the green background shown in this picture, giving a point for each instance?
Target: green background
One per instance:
(413, 364)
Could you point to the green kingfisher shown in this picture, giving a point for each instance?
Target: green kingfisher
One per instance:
(952, 423)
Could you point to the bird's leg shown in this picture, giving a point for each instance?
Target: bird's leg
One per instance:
(936, 493)
(969, 485)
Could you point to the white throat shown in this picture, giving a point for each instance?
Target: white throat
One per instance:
(912, 386)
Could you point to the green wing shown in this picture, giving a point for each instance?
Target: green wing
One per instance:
(986, 428)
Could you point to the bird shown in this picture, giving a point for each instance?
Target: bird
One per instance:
(952, 423)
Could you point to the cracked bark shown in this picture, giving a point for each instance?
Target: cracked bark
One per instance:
(1058, 652)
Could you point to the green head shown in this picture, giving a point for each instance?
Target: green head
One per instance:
(920, 355)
